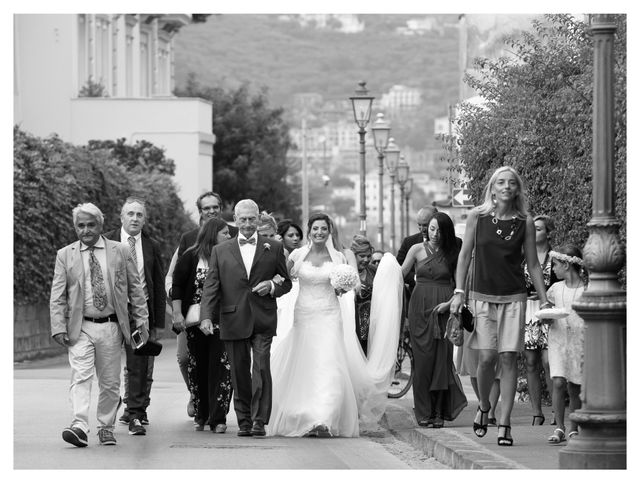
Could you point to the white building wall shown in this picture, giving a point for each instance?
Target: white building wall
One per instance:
(47, 82)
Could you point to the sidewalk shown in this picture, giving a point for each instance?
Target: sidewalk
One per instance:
(457, 446)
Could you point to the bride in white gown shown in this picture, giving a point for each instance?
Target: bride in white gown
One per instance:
(322, 383)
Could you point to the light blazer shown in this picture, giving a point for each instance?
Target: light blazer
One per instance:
(243, 312)
(67, 290)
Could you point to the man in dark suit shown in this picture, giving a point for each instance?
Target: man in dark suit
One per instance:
(240, 291)
(146, 253)
(96, 302)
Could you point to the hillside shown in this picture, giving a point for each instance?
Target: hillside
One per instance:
(289, 58)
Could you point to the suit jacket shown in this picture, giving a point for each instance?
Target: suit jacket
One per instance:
(153, 275)
(242, 312)
(406, 244)
(67, 290)
(189, 238)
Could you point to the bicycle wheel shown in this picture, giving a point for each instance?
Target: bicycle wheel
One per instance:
(403, 373)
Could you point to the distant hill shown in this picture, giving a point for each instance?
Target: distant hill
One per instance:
(288, 58)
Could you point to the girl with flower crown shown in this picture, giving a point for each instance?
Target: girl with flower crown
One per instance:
(566, 337)
(502, 233)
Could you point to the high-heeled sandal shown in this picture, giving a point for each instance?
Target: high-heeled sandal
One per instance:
(505, 440)
(480, 429)
(541, 421)
(557, 436)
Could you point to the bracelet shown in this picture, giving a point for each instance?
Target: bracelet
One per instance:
(458, 290)
(546, 304)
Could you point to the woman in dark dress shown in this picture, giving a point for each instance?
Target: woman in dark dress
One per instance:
(362, 249)
(208, 370)
(437, 392)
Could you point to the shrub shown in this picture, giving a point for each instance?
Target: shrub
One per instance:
(51, 177)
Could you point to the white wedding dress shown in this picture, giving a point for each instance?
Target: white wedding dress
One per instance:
(320, 374)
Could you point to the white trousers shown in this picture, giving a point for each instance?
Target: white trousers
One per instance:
(97, 349)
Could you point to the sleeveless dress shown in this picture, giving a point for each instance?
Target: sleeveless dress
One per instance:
(311, 381)
(433, 354)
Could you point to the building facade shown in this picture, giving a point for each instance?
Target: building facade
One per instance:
(108, 76)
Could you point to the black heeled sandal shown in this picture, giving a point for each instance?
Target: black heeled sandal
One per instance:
(541, 421)
(480, 429)
(505, 440)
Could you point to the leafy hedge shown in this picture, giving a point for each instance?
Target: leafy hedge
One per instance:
(51, 177)
(538, 119)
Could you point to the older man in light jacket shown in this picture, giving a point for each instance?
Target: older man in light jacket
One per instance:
(95, 287)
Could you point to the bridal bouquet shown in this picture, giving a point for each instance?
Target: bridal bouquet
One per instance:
(343, 278)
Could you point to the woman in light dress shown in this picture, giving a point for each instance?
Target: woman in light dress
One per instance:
(322, 383)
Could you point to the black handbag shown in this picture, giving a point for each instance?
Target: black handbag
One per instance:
(466, 317)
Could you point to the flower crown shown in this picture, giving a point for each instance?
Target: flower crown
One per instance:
(565, 258)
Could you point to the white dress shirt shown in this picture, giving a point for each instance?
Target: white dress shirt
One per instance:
(248, 251)
(124, 239)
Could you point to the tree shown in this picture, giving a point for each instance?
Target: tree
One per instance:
(538, 119)
(252, 140)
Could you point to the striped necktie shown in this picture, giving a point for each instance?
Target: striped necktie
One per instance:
(132, 248)
(97, 281)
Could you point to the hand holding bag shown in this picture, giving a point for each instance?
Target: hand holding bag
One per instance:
(454, 330)
(193, 315)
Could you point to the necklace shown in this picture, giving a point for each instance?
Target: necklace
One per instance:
(513, 227)
(431, 249)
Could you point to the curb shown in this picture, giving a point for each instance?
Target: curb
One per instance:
(445, 445)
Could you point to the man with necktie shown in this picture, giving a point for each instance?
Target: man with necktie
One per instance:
(93, 282)
(138, 375)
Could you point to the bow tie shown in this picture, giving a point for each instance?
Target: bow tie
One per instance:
(251, 241)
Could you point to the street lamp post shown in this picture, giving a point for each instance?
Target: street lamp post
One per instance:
(602, 443)
(380, 129)
(403, 176)
(361, 103)
(407, 192)
(392, 155)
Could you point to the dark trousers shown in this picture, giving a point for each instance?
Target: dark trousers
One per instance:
(251, 382)
(138, 377)
(208, 377)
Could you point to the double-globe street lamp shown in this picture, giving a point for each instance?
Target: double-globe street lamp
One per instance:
(392, 155)
(381, 130)
(403, 176)
(361, 103)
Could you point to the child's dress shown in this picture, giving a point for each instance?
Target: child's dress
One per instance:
(566, 336)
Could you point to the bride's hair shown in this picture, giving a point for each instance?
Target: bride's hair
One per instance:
(314, 217)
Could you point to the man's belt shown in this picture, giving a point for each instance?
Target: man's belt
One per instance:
(111, 318)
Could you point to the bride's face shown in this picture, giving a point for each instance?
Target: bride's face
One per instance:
(319, 232)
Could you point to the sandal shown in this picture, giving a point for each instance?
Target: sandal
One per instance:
(480, 429)
(438, 422)
(557, 436)
(572, 434)
(505, 440)
(493, 421)
(541, 421)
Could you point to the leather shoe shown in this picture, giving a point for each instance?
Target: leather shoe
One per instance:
(258, 429)
(244, 432)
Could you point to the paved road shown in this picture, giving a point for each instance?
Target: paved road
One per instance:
(41, 411)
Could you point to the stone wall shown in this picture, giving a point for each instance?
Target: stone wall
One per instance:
(32, 333)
